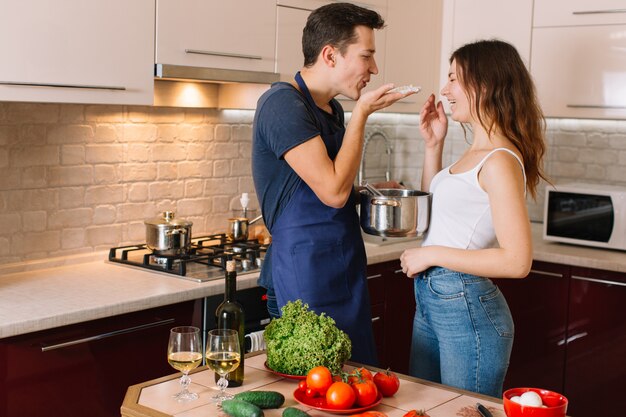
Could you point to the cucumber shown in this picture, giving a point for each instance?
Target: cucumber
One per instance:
(238, 408)
(262, 399)
(294, 412)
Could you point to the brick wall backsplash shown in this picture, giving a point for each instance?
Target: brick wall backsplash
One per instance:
(83, 178)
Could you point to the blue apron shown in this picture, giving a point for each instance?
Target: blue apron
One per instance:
(318, 256)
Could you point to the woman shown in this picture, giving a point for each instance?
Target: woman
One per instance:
(463, 330)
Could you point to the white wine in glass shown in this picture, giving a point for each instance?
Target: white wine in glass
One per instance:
(184, 353)
(222, 356)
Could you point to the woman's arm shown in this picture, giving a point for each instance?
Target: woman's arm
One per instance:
(433, 127)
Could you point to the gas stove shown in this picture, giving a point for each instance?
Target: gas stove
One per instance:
(205, 261)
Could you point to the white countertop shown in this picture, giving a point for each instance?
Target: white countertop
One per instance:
(43, 294)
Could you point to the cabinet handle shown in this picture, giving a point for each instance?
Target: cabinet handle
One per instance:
(374, 276)
(398, 271)
(593, 106)
(601, 281)
(607, 11)
(228, 55)
(79, 86)
(106, 335)
(546, 273)
(375, 319)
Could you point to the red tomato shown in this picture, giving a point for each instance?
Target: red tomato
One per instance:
(366, 392)
(310, 393)
(319, 379)
(416, 413)
(387, 382)
(359, 373)
(340, 396)
(302, 385)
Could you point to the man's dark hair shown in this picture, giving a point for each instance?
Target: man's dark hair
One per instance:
(334, 25)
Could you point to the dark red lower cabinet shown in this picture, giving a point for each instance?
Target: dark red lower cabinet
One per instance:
(85, 369)
(538, 304)
(595, 371)
(393, 308)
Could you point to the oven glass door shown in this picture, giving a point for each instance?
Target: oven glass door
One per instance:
(580, 216)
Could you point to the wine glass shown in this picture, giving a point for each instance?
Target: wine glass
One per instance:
(223, 356)
(184, 353)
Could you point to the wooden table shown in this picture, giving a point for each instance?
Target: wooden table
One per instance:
(154, 398)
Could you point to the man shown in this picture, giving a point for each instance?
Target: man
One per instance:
(304, 163)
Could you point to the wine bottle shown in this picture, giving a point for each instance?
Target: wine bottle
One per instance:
(230, 315)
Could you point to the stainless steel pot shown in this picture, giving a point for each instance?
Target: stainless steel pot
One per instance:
(238, 227)
(396, 213)
(168, 236)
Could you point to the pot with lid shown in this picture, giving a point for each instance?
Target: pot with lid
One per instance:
(396, 212)
(167, 235)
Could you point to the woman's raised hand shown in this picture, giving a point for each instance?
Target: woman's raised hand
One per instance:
(433, 122)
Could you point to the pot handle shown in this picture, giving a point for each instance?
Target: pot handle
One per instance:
(390, 203)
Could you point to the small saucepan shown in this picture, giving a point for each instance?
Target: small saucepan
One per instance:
(238, 227)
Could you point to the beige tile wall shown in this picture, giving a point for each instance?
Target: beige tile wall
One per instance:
(79, 178)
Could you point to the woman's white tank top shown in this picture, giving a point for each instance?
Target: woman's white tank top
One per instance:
(460, 216)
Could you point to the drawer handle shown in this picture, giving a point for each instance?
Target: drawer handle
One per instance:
(545, 273)
(608, 11)
(398, 271)
(375, 319)
(79, 86)
(224, 54)
(594, 106)
(375, 276)
(601, 281)
(106, 335)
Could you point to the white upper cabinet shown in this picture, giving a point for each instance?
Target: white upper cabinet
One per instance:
(579, 58)
(232, 34)
(579, 12)
(466, 21)
(77, 51)
(412, 49)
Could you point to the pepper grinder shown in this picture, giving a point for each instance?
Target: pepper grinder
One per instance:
(245, 199)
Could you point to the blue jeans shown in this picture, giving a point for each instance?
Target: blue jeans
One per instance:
(462, 331)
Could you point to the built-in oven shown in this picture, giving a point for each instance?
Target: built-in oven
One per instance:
(254, 304)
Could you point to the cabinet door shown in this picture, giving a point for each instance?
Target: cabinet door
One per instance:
(76, 51)
(538, 304)
(234, 34)
(376, 287)
(399, 314)
(466, 21)
(411, 50)
(587, 77)
(85, 369)
(596, 343)
(578, 12)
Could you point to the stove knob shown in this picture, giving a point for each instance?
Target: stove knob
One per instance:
(246, 264)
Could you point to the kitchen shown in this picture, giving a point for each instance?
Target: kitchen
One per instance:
(83, 169)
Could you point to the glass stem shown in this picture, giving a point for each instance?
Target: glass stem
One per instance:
(184, 382)
(222, 383)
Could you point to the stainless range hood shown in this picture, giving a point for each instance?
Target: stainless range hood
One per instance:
(213, 75)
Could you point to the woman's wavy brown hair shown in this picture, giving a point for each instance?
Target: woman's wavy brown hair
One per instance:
(505, 100)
